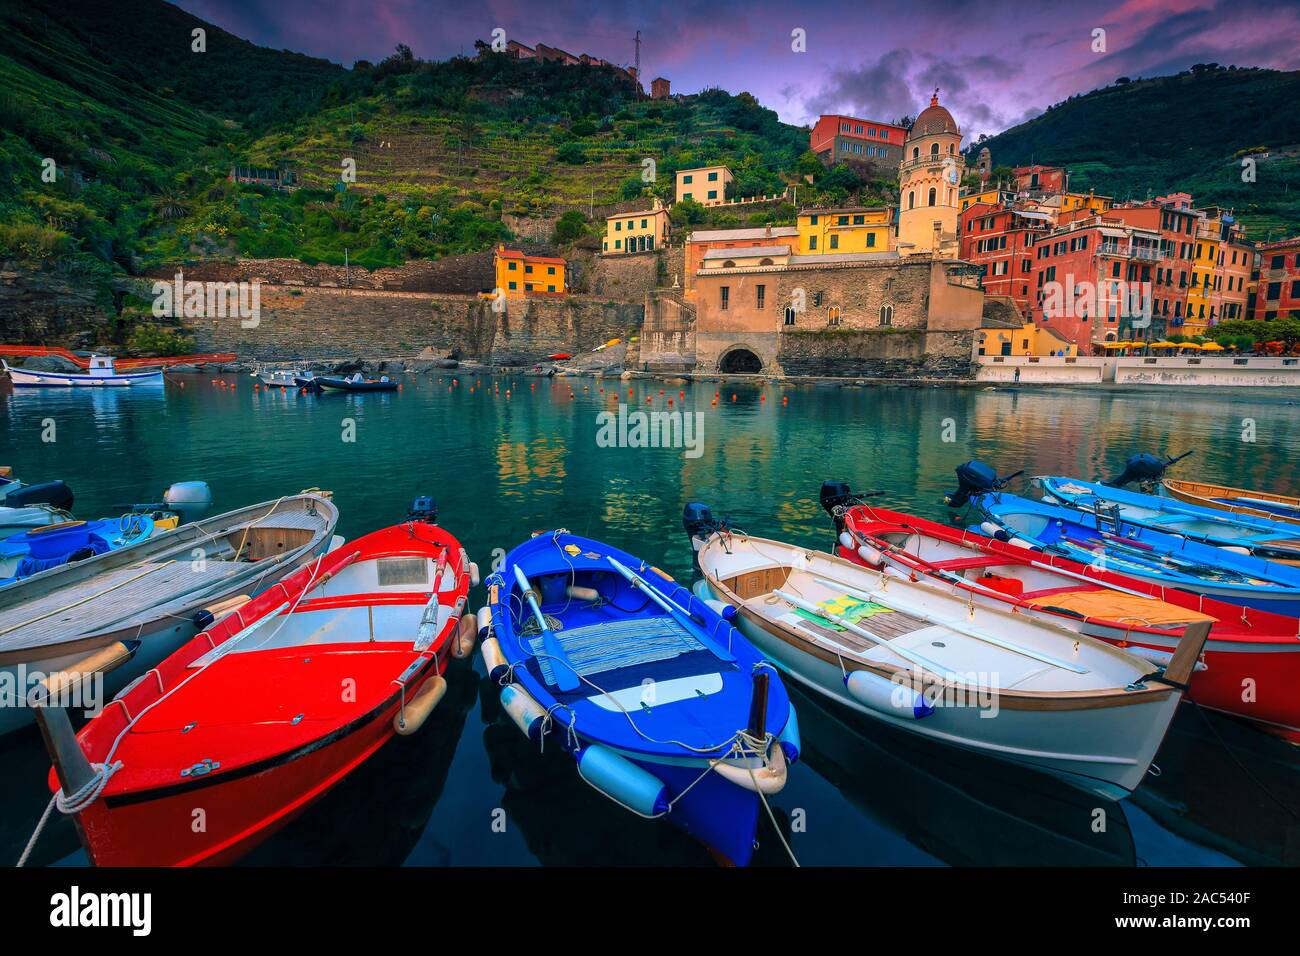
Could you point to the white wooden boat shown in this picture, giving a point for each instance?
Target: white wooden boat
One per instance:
(150, 593)
(282, 377)
(924, 659)
(100, 374)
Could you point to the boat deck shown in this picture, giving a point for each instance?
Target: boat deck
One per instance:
(123, 597)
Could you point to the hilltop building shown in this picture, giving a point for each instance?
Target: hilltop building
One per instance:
(835, 137)
(518, 273)
(659, 88)
(643, 231)
(929, 179)
(706, 185)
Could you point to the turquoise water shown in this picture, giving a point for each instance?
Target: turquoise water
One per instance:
(507, 456)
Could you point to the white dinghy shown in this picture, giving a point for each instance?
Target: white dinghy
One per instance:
(926, 660)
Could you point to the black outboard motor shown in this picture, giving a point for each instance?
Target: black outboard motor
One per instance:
(424, 509)
(699, 523)
(53, 493)
(975, 478)
(835, 496)
(1145, 469)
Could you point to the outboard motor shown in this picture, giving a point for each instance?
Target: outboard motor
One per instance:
(56, 494)
(1145, 469)
(976, 478)
(190, 500)
(699, 524)
(836, 496)
(423, 509)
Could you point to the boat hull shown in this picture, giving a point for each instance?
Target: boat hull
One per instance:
(1237, 501)
(239, 811)
(31, 379)
(1069, 744)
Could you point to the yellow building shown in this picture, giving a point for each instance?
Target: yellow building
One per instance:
(1028, 340)
(706, 185)
(518, 273)
(1090, 201)
(992, 196)
(1205, 262)
(636, 231)
(855, 229)
(929, 177)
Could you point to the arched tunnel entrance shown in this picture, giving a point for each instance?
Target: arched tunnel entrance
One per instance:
(740, 362)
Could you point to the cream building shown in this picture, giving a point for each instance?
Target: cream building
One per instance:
(929, 179)
(706, 185)
(642, 231)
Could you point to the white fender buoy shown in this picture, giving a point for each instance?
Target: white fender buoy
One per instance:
(528, 715)
(623, 781)
(870, 555)
(466, 637)
(878, 693)
(229, 606)
(473, 574)
(1235, 549)
(846, 539)
(411, 718)
(582, 594)
(767, 779)
(990, 529)
(1158, 657)
(1022, 543)
(702, 590)
(493, 659)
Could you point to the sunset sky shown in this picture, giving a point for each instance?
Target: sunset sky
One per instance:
(997, 62)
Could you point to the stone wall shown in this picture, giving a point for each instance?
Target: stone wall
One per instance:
(629, 277)
(47, 307)
(465, 275)
(320, 323)
(668, 335)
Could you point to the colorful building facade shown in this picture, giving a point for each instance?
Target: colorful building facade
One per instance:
(1278, 295)
(706, 185)
(628, 232)
(1000, 240)
(835, 137)
(518, 273)
(929, 178)
(853, 229)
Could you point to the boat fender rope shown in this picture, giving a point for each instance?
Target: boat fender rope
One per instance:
(72, 803)
(1160, 678)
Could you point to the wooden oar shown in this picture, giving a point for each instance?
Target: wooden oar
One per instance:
(933, 666)
(954, 626)
(674, 609)
(566, 678)
(428, 628)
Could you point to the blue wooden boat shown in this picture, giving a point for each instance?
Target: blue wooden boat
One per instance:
(664, 706)
(37, 550)
(1246, 534)
(1140, 551)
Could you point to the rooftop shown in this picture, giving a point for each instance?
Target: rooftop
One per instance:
(758, 232)
(747, 252)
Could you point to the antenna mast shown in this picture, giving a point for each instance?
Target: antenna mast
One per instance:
(637, 41)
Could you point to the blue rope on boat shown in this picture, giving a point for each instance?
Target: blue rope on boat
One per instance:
(599, 648)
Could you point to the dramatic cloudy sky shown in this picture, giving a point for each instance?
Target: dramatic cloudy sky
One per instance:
(997, 62)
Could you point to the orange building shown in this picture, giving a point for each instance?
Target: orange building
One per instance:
(518, 273)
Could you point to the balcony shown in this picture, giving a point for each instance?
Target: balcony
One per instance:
(1129, 251)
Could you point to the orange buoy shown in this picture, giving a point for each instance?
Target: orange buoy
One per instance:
(733, 396)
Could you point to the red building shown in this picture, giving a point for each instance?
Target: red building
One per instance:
(659, 88)
(1000, 240)
(1176, 223)
(1041, 180)
(835, 138)
(1278, 293)
(1095, 282)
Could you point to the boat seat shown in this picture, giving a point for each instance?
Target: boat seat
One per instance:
(612, 645)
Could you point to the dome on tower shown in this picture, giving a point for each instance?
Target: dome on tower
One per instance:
(933, 119)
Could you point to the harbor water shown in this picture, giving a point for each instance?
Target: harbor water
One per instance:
(506, 456)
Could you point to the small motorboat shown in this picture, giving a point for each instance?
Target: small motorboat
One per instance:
(100, 374)
(1236, 501)
(662, 705)
(264, 711)
(23, 506)
(354, 383)
(1141, 552)
(1245, 534)
(281, 377)
(929, 661)
(1247, 647)
(159, 592)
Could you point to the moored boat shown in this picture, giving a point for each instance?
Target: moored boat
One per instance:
(662, 705)
(282, 377)
(926, 660)
(100, 374)
(160, 592)
(263, 712)
(40, 549)
(1245, 534)
(1237, 501)
(1142, 552)
(1247, 647)
(354, 383)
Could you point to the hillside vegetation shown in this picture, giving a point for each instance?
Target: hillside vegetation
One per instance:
(1189, 132)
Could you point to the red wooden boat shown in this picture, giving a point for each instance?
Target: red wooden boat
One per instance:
(250, 722)
(1250, 666)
